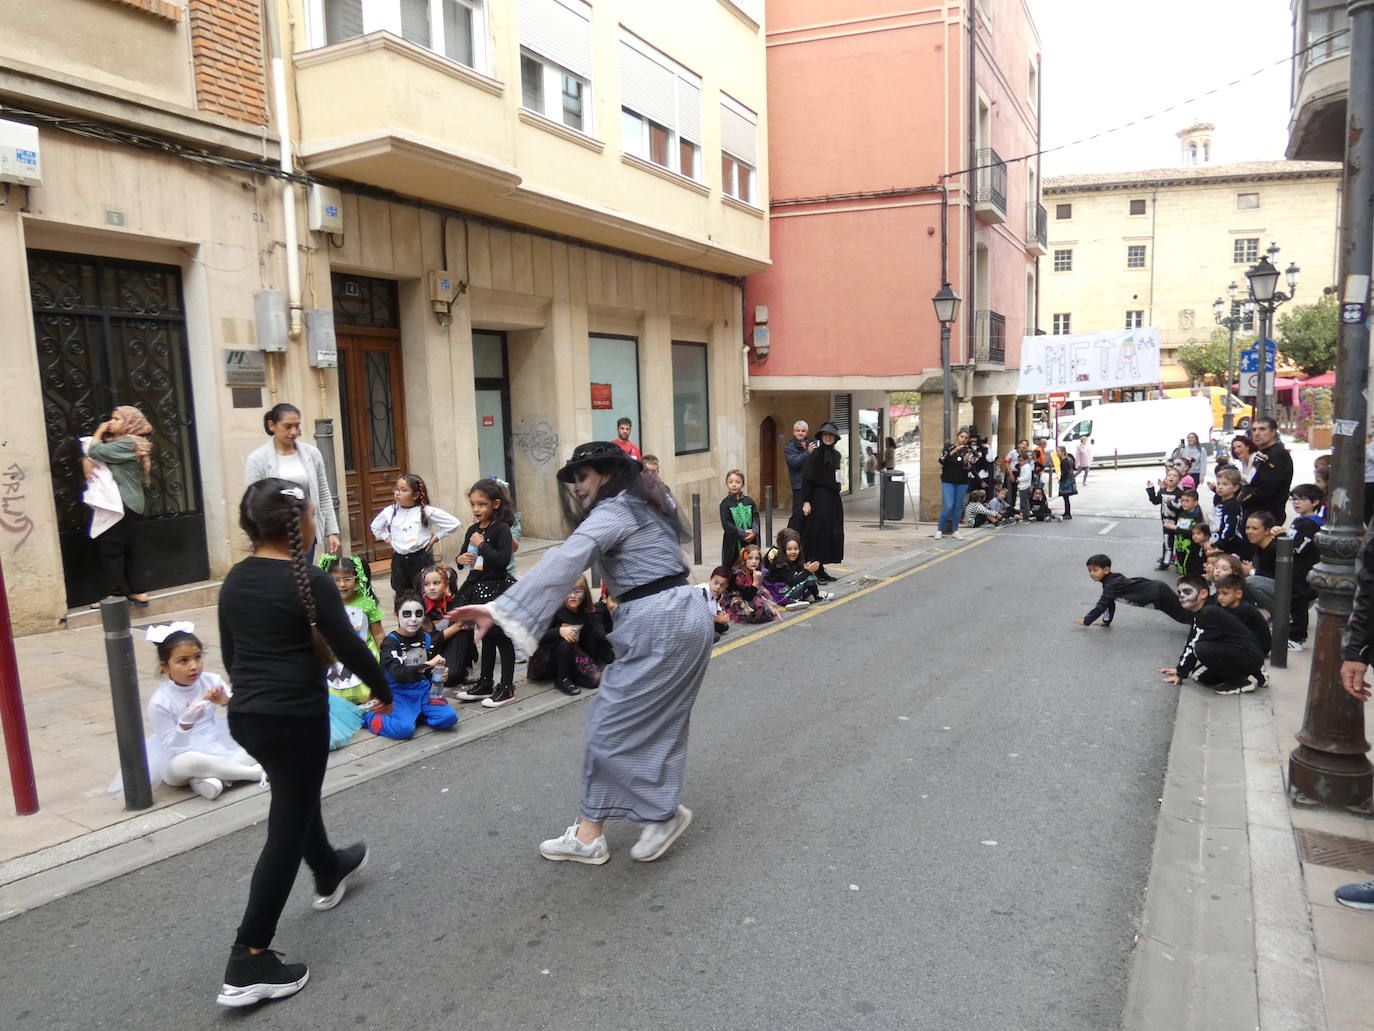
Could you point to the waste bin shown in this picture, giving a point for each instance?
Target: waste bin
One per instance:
(893, 498)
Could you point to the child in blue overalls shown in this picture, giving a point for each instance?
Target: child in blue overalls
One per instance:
(413, 662)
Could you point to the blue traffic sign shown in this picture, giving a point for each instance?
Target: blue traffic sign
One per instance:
(1249, 358)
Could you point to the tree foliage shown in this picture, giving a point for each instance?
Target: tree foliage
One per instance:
(1204, 358)
(1308, 334)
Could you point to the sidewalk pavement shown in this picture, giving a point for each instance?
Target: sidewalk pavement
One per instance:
(1240, 928)
(71, 730)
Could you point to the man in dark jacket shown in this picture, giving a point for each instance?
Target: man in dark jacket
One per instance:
(795, 452)
(1273, 476)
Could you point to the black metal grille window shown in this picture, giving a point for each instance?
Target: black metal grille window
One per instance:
(1037, 225)
(112, 332)
(364, 301)
(992, 179)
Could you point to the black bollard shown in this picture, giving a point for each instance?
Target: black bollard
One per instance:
(696, 529)
(128, 712)
(767, 515)
(1280, 612)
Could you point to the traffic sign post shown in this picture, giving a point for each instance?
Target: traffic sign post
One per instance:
(1058, 401)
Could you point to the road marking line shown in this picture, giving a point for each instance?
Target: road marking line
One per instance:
(832, 605)
(1106, 529)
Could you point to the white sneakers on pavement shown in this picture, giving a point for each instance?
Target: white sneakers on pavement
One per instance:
(570, 848)
(657, 838)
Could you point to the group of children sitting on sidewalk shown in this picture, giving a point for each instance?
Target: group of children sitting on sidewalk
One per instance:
(758, 587)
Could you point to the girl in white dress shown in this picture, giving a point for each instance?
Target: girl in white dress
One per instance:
(188, 745)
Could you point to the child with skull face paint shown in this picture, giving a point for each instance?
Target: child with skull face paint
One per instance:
(410, 658)
(1221, 652)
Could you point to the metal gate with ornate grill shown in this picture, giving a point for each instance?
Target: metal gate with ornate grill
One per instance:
(114, 332)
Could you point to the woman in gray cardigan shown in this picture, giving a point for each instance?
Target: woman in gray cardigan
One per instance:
(290, 458)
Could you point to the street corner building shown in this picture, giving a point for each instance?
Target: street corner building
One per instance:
(458, 235)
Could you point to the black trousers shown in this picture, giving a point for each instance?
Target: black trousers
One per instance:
(496, 642)
(118, 573)
(1304, 594)
(405, 569)
(797, 519)
(293, 751)
(1221, 664)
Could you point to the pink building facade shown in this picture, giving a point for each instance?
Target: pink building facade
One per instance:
(871, 107)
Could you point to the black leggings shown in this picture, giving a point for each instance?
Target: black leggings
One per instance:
(118, 571)
(292, 751)
(1221, 664)
(497, 641)
(1068, 510)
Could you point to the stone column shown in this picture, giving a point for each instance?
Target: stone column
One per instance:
(1025, 419)
(932, 421)
(982, 416)
(1006, 424)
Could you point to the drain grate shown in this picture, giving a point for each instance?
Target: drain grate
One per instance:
(1334, 850)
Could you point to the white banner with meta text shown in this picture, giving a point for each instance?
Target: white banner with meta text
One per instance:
(1089, 361)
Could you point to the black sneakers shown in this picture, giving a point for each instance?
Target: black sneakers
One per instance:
(478, 691)
(504, 693)
(568, 687)
(250, 978)
(329, 894)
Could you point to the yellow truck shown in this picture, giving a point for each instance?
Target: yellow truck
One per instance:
(1241, 413)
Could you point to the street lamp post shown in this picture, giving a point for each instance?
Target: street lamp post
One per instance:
(1232, 322)
(946, 303)
(1330, 766)
(1264, 278)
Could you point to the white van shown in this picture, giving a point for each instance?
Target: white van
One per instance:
(1140, 432)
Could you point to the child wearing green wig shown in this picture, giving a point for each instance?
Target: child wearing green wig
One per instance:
(352, 578)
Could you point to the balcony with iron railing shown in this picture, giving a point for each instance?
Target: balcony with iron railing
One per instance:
(990, 192)
(1037, 230)
(990, 338)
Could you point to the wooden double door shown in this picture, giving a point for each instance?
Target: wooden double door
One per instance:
(372, 405)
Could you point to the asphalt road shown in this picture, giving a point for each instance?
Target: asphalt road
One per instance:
(930, 807)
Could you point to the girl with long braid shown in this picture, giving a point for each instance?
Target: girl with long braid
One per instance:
(411, 524)
(281, 622)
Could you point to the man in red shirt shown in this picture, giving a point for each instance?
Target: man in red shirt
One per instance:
(622, 429)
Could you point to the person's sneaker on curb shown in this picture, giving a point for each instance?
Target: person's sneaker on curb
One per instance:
(1356, 896)
(1244, 688)
(938, 535)
(504, 693)
(793, 606)
(329, 894)
(207, 787)
(957, 535)
(251, 978)
(479, 691)
(826, 596)
(1260, 680)
(1296, 646)
(570, 848)
(657, 838)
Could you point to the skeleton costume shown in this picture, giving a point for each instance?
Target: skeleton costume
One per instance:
(636, 751)
(1221, 652)
(415, 696)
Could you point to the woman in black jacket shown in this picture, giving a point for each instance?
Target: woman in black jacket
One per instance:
(823, 531)
(281, 621)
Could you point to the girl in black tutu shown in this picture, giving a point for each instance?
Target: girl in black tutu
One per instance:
(573, 650)
(487, 550)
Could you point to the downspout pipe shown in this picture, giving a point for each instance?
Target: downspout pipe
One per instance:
(281, 112)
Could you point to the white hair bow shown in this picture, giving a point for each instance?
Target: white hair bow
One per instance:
(158, 633)
(294, 492)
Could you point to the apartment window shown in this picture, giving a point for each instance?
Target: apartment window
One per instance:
(1135, 319)
(1059, 321)
(691, 399)
(1324, 19)
(660, 117)
(1138, 206)
(455, 29)
(1135, 255)
(738, 149)
(1247, 201)
(1033, 83)
(556, 60)
(1063, 211)
(1245, 250)
(1063, 261)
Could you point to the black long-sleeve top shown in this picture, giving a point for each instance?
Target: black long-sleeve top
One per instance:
(1255, 622)
(1269, 486)
(821, 472)
(266, 640)
(1167, 500)
(1230, 532)
(1305, 551)
(495, 551)
(1135, 590)
(1355, 647)
(795, 452)
(1265, 560)
(781, 571)
(394, 649)
(1216, 625)
(591, 638)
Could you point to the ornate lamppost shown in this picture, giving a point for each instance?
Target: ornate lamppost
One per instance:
(1232, 322)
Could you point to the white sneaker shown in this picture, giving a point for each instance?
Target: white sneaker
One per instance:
(207, 787)
(825, 596)
(938, 535)
(656, 838)
(1296, 646)
(793, 606)
(571, 848)
(959, 536)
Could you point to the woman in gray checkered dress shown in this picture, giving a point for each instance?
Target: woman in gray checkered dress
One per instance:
(636, 754)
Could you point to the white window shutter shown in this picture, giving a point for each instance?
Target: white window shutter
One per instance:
(739, 133)
(560, 30)
(646, 87)
(689, 110)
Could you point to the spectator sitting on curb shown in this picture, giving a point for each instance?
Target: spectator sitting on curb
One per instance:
(978, 514)
(1353, 670)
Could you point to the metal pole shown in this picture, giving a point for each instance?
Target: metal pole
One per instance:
(949, 390)
(1227, 421)
(882, 496)
(696, 529)
(324, 440)
(1262, 349)
(128, 715)
(1329, 766)
(1280, 611)
(12, 715)
(767, 517)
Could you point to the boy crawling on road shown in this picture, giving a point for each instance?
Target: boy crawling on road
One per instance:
(1133, 590)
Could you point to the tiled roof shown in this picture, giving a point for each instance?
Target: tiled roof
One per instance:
(1194, 173)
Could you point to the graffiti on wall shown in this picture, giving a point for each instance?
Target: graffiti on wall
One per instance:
(12, 504)
(539, 442)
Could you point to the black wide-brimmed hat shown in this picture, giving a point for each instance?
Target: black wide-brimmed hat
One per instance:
(605, 453)
(830, 428)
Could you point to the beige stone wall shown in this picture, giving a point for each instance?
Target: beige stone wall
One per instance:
(1189, 232)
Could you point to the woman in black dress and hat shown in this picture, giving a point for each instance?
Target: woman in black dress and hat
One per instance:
(823, 530)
